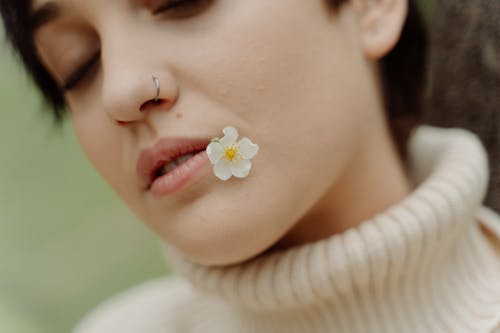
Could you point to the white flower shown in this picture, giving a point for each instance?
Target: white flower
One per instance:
(231, 158)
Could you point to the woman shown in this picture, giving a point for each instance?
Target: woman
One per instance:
(337, 213)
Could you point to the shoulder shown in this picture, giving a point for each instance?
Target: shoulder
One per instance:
(148, 307)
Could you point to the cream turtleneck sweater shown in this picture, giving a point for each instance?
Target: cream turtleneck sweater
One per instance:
(430, 263)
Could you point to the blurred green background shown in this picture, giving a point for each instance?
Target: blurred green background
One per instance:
(66, 240)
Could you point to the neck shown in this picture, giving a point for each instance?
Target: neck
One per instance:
(373, 181)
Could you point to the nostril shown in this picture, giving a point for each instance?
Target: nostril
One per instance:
(151, 104)
(122, 123)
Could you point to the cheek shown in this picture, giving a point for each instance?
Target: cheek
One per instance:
(292, 81)
(103, 146)
(295, 91)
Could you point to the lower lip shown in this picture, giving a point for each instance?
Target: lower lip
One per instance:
(180, 176)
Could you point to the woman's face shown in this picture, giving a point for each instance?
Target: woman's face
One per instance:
(289, 74)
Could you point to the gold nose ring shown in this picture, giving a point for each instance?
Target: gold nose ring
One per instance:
(157, 84)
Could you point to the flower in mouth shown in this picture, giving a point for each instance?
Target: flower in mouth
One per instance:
(231, 158)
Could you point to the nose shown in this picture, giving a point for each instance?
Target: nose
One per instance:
(130, 94)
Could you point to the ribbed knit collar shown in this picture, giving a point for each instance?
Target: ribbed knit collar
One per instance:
(422, 263)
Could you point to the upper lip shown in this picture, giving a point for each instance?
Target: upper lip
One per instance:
(164, 151)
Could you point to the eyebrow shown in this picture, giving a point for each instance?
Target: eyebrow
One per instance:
(46, 13)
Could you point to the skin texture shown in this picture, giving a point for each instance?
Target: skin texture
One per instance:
(292, 75)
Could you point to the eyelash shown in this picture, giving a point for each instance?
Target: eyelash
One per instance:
(77, 76)
(184, 8)
(180, 6)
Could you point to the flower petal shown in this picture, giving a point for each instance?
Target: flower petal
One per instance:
(223, 169)
(215, 152)
(230, 132)
(247, 148)
(230, 136)
(241, 168)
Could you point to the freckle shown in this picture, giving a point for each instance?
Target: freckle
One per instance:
(178, 115)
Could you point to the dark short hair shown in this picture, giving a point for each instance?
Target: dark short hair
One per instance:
(403, 70)
(19, 28)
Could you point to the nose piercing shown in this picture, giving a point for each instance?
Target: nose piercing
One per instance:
(157, 84)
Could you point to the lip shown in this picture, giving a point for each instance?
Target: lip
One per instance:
(164, 151)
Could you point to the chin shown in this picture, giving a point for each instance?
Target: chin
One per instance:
(220, 259)
(224, 242)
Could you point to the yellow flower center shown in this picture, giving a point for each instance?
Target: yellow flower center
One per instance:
(231, 152)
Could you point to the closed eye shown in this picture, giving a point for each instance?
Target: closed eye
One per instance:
(181, 8)
(81, 73)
